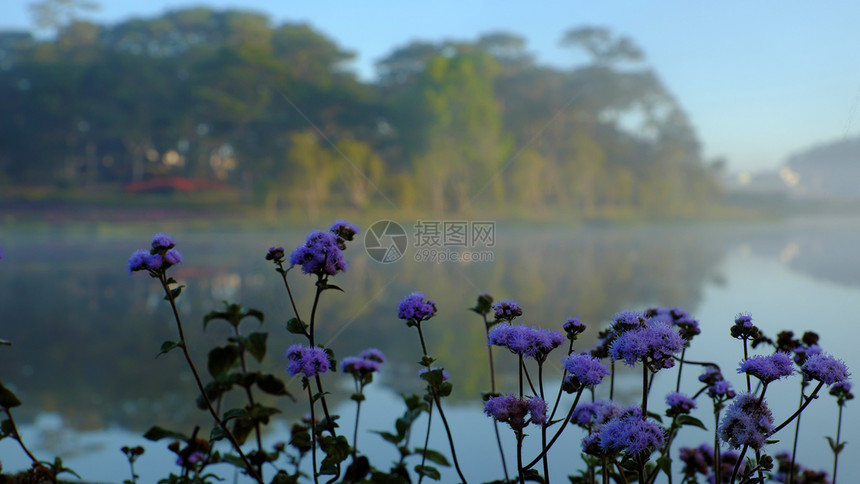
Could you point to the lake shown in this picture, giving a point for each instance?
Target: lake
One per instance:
(85, 333)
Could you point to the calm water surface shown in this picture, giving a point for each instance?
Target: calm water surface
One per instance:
(85, 333)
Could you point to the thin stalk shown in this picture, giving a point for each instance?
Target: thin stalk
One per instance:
(290, 294)
(543, 427)
(558, 432)
(426, 440)
(558, 395)
(493, 390)
(794, 446)
(838, 434)
(355, 435)
(313, 436)
(680, 368)
(644, 391)
(612, 380)
(521, 376)
(421, 337)
(738, 463)
(809, 399)
(17, 437)
(450, 437)
(718, 459)
(184, 345)
(529, 379)
(749, 385)
(250, 400)
(519, 434)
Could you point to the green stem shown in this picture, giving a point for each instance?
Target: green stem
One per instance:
(794, 446)
(450, 437)
(250, 399)
(493, 390)
(426, 440)
(558, 432)
(313, 435)
(738, 463)
(838, 434)
(680, 368)
(644, 391)
(17, 437)
(809, 399)
(184, 345)
(519, 434)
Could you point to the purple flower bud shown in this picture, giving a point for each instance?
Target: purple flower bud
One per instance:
(173, 257)
(163, 241)
(358, 365)
(307, 360)
(276, 254)
(373, 354)
(507, 310)
(679, 404)
(320, 255)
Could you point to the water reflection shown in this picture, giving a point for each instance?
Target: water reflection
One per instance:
(86, 334)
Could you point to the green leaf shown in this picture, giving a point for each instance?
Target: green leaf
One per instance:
(167, 346)
(6, 428)
(157, 433)
(296, 327)
(260, 413)
(272, 385)
(222, 359)
(834, 447)
(235, 413)
(174, 293)
(532, 475)
(336, 449)
(445, 389)
(665, 463)
(332, 286)
(428, 471)
(257, 345)
(691, 421)
(7, 398)
(388, 436)
(434, 456)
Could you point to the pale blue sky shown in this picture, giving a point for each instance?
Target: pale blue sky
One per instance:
(758, 79)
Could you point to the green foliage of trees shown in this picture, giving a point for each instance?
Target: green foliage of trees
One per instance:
(275, 111)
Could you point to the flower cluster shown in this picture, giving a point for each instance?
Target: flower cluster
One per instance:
(745, 329)
(507, 310)
(276, 254)
(593, 414)
(573, 327)
(768, 368)
(584, 371)
(307, 360)
(826, 369)
(842, 392)
(416, 307)
(525, 341)
(718, 386)
(655, 344)
(799, 474)
(513, 410)
(748, 421)
(679, 404)
(158, 259)
(630, 433)
(320, 254)
(700, 460)
(344, 231)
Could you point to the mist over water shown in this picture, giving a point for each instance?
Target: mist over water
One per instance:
(85, 333)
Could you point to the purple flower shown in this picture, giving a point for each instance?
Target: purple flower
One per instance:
(842, 392)
(524, 340)
(416, 307)
(632, 434)
(679, 404)
(768, 368)
(697, 460)
(137, 261)
(276, 254)
(154, 262)
(163, 241)
(307, 360)
(373, 354)
(507, 310)
(744, 320)
(344, 231)
(654, 345)
(585, 371)
(173, 257)
(513, 411)
(192, 459)
(748, 421)
(320, 255)
(627, 320)
(597, 413)
(718, 387)
(573, 327)
(826, 369)
(355, 364)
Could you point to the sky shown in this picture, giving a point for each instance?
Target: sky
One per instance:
(759, 80)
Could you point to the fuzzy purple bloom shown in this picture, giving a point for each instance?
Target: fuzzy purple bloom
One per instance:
(745, 320)
(173, 257)
(627, 320)
(163, 241)
(679, 404)
(585, 371)
(154, 262)
(307, 360)
(632, 434)
(524, 340)
(747, 421)
(768, 368)
(826, 369)
(416, 307)
(137, 261)
(320, 255)
(654, 344)
(573, 327)
(591, 414)
(507, 310)
(356, 364)
(373, 354)
(513, 410)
